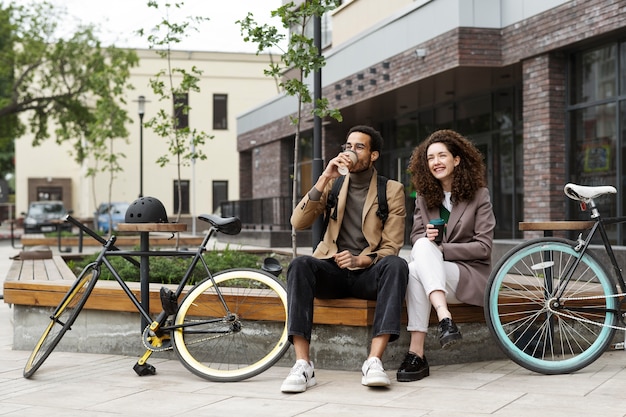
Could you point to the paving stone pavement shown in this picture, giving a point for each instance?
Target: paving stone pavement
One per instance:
(96, 385)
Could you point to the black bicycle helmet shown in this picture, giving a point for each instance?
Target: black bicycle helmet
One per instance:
(146, 210)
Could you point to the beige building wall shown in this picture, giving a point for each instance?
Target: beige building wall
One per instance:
(238, 75)
(355, 16)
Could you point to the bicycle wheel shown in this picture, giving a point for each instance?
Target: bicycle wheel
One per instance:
(538, 329)
(240, 343)
(62, 319)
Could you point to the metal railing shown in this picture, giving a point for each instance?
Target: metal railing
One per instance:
(271, 213)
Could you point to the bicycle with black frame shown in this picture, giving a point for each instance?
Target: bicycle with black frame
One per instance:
(550, 303)
(230, 326)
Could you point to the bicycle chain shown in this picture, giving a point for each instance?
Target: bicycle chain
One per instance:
(204, 339)
(145, 340)
(581, 319)
(150, 346)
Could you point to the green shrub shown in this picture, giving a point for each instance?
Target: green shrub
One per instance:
(171, 269)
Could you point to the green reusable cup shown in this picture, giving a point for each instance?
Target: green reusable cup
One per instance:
(439, 225)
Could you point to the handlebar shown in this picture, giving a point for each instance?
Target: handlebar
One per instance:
(68, 218)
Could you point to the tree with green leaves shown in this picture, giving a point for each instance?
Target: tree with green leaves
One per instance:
(301, 58)
(69, 88)
(173, 85)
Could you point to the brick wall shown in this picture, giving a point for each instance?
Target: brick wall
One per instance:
(534, 42)
(544, 137)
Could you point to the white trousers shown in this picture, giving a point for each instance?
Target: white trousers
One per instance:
(428, 272)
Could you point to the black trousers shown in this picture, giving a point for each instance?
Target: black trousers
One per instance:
(309, 277)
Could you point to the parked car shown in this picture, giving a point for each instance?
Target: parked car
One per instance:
(45, 216)
(117, 213)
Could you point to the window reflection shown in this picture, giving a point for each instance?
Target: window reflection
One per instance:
(594, 75)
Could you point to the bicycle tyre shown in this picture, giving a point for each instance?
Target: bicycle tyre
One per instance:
(62, 318)
(517, 313)
(232, 350)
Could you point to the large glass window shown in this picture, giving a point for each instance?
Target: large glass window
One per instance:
(594, 75)
(622, 67)
(597, 124)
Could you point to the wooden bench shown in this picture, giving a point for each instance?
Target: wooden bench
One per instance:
(548, 227)
(43, 283)
(357, 312)
(36, 239)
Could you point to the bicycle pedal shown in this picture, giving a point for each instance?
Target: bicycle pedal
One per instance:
(144, 370)
(168, 301)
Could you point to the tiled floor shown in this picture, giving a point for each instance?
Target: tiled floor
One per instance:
(71, 384)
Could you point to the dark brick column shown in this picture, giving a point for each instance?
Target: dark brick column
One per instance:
(544, 137)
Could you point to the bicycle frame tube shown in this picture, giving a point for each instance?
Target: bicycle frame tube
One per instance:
(609, 249)
(598, 225)
(581, 252)
(197, 256)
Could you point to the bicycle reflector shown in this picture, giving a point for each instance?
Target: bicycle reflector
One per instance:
(146, 210)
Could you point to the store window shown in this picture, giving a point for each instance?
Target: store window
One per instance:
(597, 125)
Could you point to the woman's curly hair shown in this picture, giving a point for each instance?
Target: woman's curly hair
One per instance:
(469, 175)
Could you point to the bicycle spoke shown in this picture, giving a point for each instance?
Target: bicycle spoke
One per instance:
(249, 338)
(549, 311)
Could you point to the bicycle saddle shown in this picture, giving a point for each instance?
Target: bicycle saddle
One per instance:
(226, 225)
(586, 193)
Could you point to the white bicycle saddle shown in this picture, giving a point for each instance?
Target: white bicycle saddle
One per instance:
(586, 193)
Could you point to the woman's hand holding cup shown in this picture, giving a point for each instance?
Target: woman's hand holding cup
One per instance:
(438, 225)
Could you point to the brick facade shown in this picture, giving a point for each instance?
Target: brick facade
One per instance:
(535, 50)
(544, 137)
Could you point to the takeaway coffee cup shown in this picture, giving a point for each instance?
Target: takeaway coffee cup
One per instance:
(439, 225)
(344, 169)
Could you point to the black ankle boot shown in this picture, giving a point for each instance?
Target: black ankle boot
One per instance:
(448, 333)
(413, 368)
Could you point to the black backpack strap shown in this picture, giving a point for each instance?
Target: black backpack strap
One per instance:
(331, 202)
(383, 207)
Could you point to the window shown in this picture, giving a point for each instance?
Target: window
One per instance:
(181, 111)
(185, 196)
(597, 126)
(325, 26)
(220, 193)
(594, 75)
(49, 193)
(220, 111)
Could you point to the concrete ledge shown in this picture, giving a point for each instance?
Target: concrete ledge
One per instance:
(333, 346)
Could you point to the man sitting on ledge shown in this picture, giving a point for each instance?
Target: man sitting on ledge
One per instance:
(358, 257)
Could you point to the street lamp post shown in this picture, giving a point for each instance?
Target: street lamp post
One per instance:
(141, 101)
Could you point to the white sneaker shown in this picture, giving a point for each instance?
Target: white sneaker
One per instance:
(301, 377)
(374, 374)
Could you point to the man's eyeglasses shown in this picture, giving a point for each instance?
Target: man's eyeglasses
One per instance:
(357, 147)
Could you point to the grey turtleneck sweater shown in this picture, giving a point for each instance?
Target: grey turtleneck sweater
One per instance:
(351, 234)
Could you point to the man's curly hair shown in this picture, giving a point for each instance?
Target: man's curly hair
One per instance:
(469, 175)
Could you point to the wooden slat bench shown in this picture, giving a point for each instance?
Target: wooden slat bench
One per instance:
(548, 227)
(36, 239)
(43, 282)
